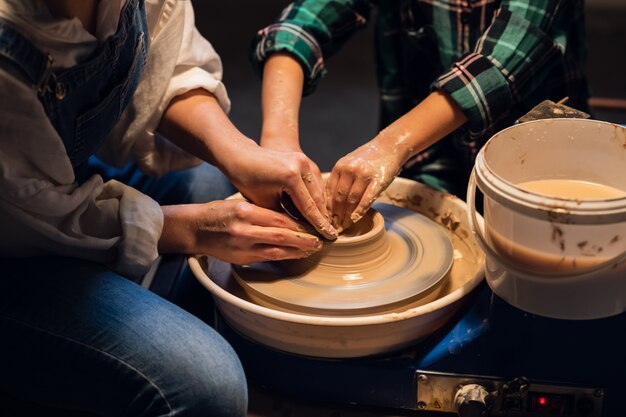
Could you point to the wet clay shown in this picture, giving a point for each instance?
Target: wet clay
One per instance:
(444, 209)
(390, 257)
(449, 212)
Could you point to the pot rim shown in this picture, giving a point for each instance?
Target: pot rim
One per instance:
(233, 300)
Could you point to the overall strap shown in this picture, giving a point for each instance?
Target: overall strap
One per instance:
(35, 65)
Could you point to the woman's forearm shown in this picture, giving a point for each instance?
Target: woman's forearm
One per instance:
(283, 80)
(196, 123)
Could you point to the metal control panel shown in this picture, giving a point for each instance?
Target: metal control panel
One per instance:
(450, 393)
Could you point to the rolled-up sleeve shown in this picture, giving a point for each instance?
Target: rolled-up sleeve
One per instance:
(179, 60)
(510, 60)
(44, 212)
(197, 65)
(311, 31)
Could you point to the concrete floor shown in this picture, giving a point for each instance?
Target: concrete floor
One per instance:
(343, 113)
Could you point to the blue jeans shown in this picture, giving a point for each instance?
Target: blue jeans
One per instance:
(76, 336)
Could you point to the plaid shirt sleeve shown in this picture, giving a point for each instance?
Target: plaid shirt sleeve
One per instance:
(310, 30)
(510, 60)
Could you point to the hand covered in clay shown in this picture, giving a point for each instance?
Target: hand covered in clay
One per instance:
(267, 173)
(235, 231)
(357, 180)
(316, 183)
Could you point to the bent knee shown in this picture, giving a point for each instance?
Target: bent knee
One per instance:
(214, 379)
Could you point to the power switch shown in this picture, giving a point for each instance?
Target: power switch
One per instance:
(471, 401)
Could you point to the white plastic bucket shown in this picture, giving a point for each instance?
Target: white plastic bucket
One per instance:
(561, 258)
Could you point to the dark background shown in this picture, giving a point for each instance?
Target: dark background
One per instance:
(343, 111)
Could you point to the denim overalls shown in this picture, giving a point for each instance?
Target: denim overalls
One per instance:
(85, 101)
(76, 335)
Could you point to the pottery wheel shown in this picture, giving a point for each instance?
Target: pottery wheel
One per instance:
(403, 255)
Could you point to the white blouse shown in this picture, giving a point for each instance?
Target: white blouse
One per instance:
(43, 211)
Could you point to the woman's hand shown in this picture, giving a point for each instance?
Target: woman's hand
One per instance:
(288, 142)
(357, 180)
(262, 175)
(199, 125)
(234, 231)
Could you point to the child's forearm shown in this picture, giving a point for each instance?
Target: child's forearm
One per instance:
(432, 119)
(283, 80)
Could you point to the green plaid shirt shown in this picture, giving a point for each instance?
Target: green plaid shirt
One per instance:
(496, 58)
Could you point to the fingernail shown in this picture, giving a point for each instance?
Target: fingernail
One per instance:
(330, 232)
(317, 243)
(355, 217)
